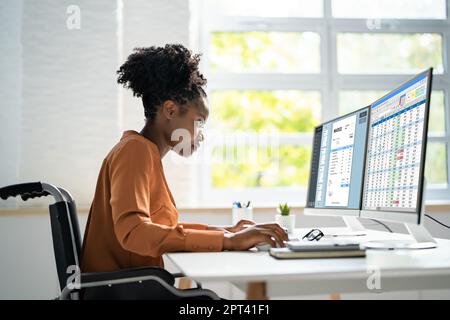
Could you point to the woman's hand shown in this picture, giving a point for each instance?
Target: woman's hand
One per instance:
(247, 238)
(241, 225)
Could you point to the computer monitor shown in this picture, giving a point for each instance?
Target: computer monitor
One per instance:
(395, 161)
(337, 168)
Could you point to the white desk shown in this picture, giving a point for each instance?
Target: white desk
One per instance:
(262, 276)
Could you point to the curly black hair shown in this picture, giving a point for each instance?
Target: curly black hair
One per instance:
(164, 73)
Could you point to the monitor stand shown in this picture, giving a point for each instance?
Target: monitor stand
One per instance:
(355, 228)
(422, 239)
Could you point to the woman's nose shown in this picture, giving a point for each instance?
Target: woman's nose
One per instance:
(201, 137)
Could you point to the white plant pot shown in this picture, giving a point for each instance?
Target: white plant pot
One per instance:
(287, 222)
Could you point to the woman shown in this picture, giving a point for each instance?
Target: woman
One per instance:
(133, 219)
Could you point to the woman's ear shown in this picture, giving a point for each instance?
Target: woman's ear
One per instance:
(169, 109)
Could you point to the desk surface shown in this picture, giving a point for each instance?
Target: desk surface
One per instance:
(399, 269)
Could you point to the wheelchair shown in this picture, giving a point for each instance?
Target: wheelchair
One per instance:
(144, 283)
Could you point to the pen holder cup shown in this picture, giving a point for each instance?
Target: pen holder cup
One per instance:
(241, 213)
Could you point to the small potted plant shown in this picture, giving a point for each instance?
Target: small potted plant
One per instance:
(284, 217)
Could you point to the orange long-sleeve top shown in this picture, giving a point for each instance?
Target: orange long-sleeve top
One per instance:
(133, 218)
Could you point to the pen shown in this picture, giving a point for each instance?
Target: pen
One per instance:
(237, 204)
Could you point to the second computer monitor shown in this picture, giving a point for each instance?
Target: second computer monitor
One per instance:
(393, 187)
(337, 165)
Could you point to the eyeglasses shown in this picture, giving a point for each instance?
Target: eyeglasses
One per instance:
(200, 123)
(314, 234)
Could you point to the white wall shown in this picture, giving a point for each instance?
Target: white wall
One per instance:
(10, 92)
(59, 100)
(27, 263)
(70, 99)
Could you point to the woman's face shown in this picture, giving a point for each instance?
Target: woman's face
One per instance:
(186, 131)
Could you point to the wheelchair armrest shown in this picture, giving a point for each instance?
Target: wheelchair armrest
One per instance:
(128, 273)
(135, 275)
(131, 275)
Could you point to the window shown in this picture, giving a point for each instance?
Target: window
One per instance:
(388, 53)
(268, 8)
(260, 52)
(285, 66)
(389, 9)
(284, 111)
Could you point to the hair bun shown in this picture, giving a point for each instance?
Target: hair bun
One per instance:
(161, 73)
